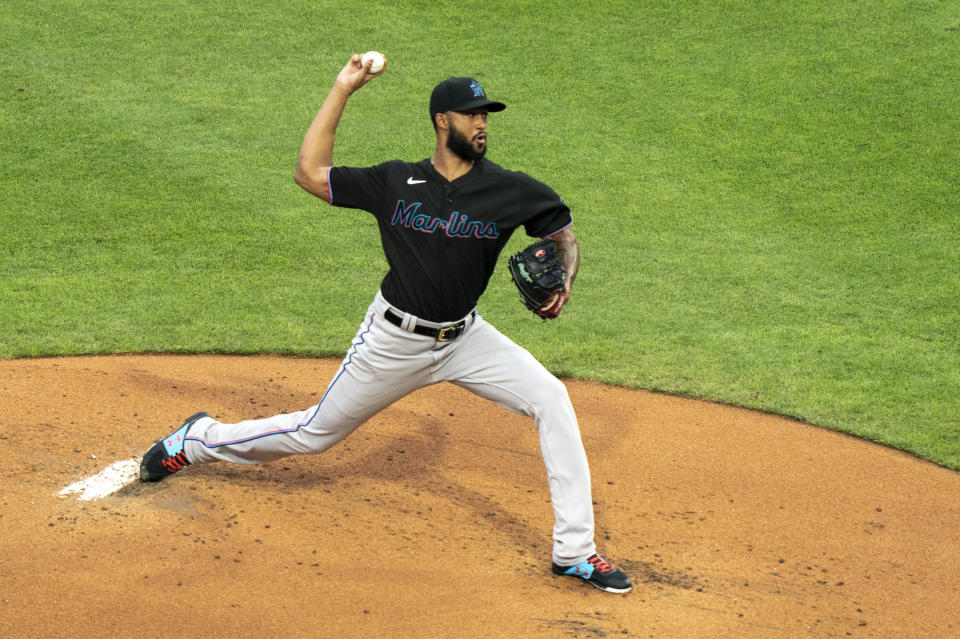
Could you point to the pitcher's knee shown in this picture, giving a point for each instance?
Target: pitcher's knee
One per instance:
(549, 394)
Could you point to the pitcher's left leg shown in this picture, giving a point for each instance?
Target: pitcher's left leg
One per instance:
(492, 366)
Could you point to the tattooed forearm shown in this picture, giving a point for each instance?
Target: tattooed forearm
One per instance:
(568, 250)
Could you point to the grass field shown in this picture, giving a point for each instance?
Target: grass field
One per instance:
(766, 194)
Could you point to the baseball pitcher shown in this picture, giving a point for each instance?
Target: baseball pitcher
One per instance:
(443, 222)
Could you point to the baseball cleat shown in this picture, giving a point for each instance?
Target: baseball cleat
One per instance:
(598, 572)
(166, 456)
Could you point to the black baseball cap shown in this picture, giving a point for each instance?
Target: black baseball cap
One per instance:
(460, 94)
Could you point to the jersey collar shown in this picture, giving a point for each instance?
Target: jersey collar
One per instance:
(475, 170)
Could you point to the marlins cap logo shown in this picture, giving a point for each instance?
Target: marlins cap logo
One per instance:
(477, 89)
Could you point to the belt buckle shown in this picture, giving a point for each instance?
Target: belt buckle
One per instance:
(445, 333)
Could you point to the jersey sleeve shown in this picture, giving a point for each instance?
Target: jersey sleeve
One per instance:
(357, 188)
(549, 214)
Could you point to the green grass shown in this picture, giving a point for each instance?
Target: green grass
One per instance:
(766, 194)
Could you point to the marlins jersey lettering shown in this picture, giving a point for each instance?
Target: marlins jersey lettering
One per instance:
(441, 238)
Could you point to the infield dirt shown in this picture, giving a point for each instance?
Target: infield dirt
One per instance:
(433, 519)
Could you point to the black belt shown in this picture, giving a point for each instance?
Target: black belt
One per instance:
(442, 334)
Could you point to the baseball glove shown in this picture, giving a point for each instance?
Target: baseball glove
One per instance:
(538, 275)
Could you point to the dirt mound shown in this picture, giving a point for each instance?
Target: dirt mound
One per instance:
(434, 518)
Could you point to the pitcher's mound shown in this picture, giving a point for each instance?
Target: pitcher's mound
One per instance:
(434, 520)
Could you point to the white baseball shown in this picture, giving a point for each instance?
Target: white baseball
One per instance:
(377, 58)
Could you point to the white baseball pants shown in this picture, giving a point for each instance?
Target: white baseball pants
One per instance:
(384, 364)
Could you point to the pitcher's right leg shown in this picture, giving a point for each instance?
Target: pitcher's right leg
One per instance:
(382, 365)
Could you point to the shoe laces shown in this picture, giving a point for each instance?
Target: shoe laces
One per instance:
(176, 462)
(599, 564)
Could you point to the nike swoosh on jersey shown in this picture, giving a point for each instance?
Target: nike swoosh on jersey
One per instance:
(410, 180)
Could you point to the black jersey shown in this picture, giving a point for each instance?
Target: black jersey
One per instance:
(441, 238)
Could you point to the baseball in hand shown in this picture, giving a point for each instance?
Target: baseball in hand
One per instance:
(377, 58)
